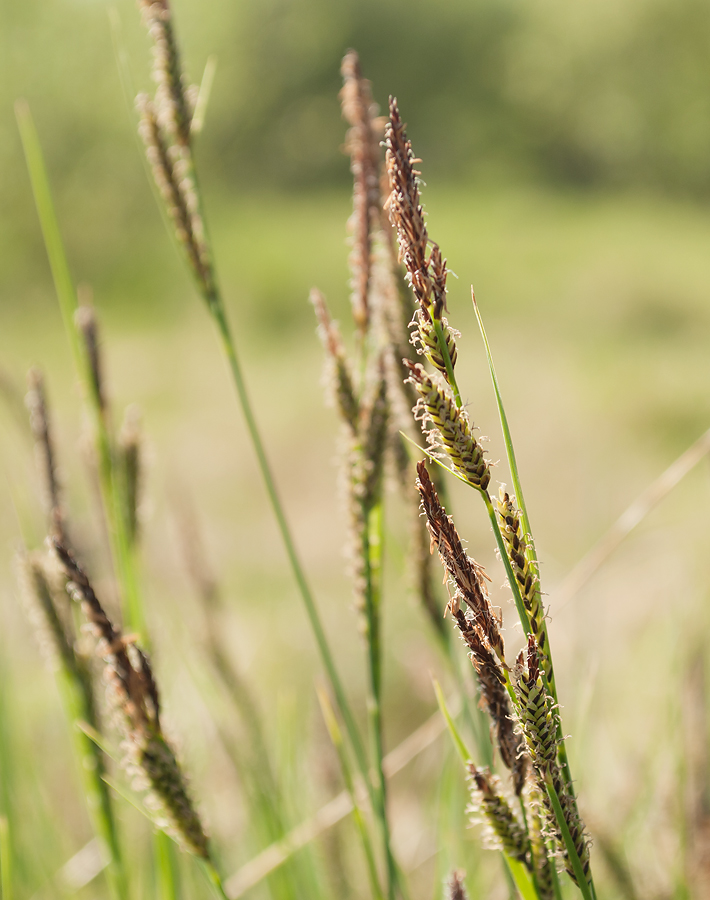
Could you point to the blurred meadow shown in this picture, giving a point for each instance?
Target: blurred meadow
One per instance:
(566, 154)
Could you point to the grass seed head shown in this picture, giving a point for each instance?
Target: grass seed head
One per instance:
(174, 105)
(539, 723)
(451, 428)
(36, 402)
(363, 145)
(466, 574)
(338, 372)
(426, 272)
(134, 695)
(454, 887)
(488, 801)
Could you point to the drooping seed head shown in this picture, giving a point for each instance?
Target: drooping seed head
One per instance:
(134, 695)
(495, 700)
(466, 574)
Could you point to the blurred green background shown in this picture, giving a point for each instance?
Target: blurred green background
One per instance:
(566, 148)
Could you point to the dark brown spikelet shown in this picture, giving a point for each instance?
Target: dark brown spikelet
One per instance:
(426, 272)
(36, 402)
(338, 371)
(452, 428)
(129, 445)
(539, 723)
(364, 148)
(495, 700)
(134, 695)
(85, 319)
(53, 629)
(455, 889)
(466, 574)
(488, 800)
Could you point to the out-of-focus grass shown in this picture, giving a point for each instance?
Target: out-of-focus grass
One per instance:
(601, 299)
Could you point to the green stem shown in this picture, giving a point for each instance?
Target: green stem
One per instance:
(372, 559)
(337, 740)
(6, 879)
(92, 767)
(214, 879)
(444, 349)
(586, 888)
(216, 309)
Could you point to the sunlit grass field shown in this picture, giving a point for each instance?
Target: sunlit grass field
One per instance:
(597, 309)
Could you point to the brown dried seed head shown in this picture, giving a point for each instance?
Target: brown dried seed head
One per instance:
(455, 889)
(36, 402)
(466, 574)
(174, 106)
(496, 701)
(363, 146)
(135, 694)
(337, 362)
(452, 428)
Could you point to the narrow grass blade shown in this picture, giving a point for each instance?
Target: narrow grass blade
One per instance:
(5, 860)
(587, 890)
(329, 815)
(522, 878)
(66, 293)
(453, 731)
(165, 868)
(509, 449)
(337, 740)
(68, 304)
(203, 97)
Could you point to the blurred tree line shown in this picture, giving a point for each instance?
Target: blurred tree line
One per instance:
(596, 93)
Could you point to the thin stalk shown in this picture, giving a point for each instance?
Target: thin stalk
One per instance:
(214, 879)
(216, 310)
(444, 349)
(5, 860)
(372, 558)
(164, 856)
(92, 766)
(337, 740)
(509, 448)
(586, 888)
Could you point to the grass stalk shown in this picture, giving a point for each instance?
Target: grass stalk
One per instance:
(360, 823)
(216, 309)
(6, 876)
(372, 558)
